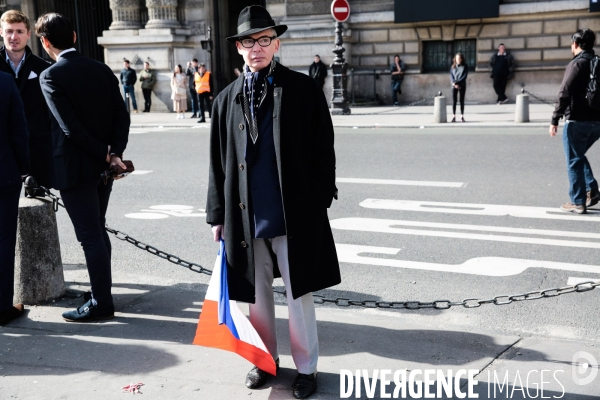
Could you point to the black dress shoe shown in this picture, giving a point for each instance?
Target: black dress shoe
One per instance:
(256, 378)
(202, 120)
(89, 313)
(304, 385)
(12, 313)
(193, 115)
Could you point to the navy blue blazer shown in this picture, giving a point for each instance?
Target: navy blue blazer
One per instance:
(84, 97)
(14, 137)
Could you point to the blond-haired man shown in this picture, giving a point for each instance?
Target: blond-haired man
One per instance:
(17, 60)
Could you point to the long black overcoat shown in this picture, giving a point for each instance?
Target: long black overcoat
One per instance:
(303, 136)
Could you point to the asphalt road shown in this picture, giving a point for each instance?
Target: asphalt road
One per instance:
(520, 167)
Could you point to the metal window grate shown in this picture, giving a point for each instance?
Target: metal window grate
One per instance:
(437, 55)
(89, 19)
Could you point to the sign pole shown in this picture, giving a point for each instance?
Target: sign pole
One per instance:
(339, 100)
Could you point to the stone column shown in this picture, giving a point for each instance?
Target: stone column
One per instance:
(126, 14)
(162, 14)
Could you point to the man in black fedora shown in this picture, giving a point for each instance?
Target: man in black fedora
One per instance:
(271, 180)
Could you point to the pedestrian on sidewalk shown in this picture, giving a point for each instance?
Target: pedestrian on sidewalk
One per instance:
(190, 72)
(14, 158)
(265, 201)
(204, 87)
(458, 77)
(148, 79)
(397, 71)
(128, 79)
(318, 71)
(503, 69)
(17, 60)
(179, 85)
(86, 145)
(582, 128)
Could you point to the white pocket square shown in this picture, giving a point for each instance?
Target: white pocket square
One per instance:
(32, 75)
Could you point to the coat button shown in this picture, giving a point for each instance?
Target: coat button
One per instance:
(241, 127)
(242, 167)
(242, 206)
(244, 244)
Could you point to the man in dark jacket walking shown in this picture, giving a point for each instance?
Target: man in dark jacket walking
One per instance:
(582, 128)
(271, 180)
(318, 71)
(128, 79)
(17, 60)
(503, 67)
(14, 159)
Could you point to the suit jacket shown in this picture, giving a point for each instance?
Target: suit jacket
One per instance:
(303, 139)
(84, 97)
(39, 119)
(14, 137)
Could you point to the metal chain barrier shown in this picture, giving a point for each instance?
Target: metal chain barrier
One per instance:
(345, 302)
(536, 97)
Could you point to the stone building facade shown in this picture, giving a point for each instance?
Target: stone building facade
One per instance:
(171, 32)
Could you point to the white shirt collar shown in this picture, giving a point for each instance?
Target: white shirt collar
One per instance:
(64, 52)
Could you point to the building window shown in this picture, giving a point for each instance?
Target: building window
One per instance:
(437, 55)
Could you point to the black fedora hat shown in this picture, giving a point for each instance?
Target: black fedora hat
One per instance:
(254, 19)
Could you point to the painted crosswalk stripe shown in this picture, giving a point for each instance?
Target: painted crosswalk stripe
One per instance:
(400, 182)
(484, 266)
(576, 281)
(390, 226)
(479, 209)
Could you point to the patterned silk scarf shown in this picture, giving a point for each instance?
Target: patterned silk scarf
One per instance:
(255, 91)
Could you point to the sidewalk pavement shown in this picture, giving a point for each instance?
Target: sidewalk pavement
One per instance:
(476, 115)
(149, 341)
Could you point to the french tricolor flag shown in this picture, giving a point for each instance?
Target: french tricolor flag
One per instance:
(223, 326)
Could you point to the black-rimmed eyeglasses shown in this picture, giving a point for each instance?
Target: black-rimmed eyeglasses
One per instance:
(263, 41)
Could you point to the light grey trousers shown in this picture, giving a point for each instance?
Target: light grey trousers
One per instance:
(302, 319)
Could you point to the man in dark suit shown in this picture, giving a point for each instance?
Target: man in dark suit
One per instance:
(14, 159)
(85, 147)
(17, 60)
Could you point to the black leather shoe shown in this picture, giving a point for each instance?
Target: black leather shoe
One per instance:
(256, 378)
(89, 313)
(13, 312)
(193, 115)
(304, 385)
(202, 120)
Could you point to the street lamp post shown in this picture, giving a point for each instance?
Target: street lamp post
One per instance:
(339, 100)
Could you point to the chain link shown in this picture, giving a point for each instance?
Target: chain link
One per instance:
(345, 302)
(536, 97)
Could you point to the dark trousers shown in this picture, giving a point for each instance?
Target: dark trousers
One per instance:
(9, 208)
(500, 87)
(86, 205)
(147, 99)
(396, 90)
(462, 90)
(194, 96)
(204, 100)
(578, 137)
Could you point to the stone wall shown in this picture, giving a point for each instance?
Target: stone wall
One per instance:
(536, 33)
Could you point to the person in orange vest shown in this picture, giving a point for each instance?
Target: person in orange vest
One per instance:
(203, 81)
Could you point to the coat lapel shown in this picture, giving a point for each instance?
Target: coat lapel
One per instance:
(277, 95)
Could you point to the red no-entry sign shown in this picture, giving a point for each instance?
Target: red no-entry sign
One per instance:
(340, 9)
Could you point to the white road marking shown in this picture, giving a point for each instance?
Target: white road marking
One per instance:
(480, 209)
(164, 211)
(146, 216)
(389, 226)
(399, 182)
(484, 266)
(576, 281)
(140, 172)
